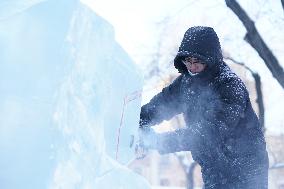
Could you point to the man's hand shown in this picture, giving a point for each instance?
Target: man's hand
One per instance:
(141, 150)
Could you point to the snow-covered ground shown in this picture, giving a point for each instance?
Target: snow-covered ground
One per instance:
(69, 101)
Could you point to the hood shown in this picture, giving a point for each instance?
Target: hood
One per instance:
(200, 42)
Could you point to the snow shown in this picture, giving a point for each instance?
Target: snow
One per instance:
(66, 88)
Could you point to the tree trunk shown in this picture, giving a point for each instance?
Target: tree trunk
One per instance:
(255, 40)
(259, 99)
(188, 170)
(190, 175)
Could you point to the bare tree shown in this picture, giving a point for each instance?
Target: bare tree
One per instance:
(190, 175)
(188, 170)
(255, 40)
(275, 161)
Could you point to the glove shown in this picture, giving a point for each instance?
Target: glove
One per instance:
(147, 140)
(141, 151)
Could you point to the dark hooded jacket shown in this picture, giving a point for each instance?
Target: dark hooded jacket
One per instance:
(222, 130)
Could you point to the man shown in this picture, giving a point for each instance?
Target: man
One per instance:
(222, 130)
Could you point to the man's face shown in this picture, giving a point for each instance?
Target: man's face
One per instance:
(194, 65)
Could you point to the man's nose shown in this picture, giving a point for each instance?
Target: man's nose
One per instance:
(193, 66)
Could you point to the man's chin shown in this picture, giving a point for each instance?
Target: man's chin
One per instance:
(193, 73)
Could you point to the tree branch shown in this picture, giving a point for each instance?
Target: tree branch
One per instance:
(277, 166)
(255, 40)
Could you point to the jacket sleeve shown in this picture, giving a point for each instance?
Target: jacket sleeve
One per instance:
(175, 141)
(221, 114)
(163, 106)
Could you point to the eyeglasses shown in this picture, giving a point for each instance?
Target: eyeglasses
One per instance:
(192, 60)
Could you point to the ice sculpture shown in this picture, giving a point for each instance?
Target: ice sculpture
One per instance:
(70, 99)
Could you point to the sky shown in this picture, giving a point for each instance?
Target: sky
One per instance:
(135, 21)
(137, 29)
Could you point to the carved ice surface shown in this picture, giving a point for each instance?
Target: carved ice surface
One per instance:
(65, 84)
